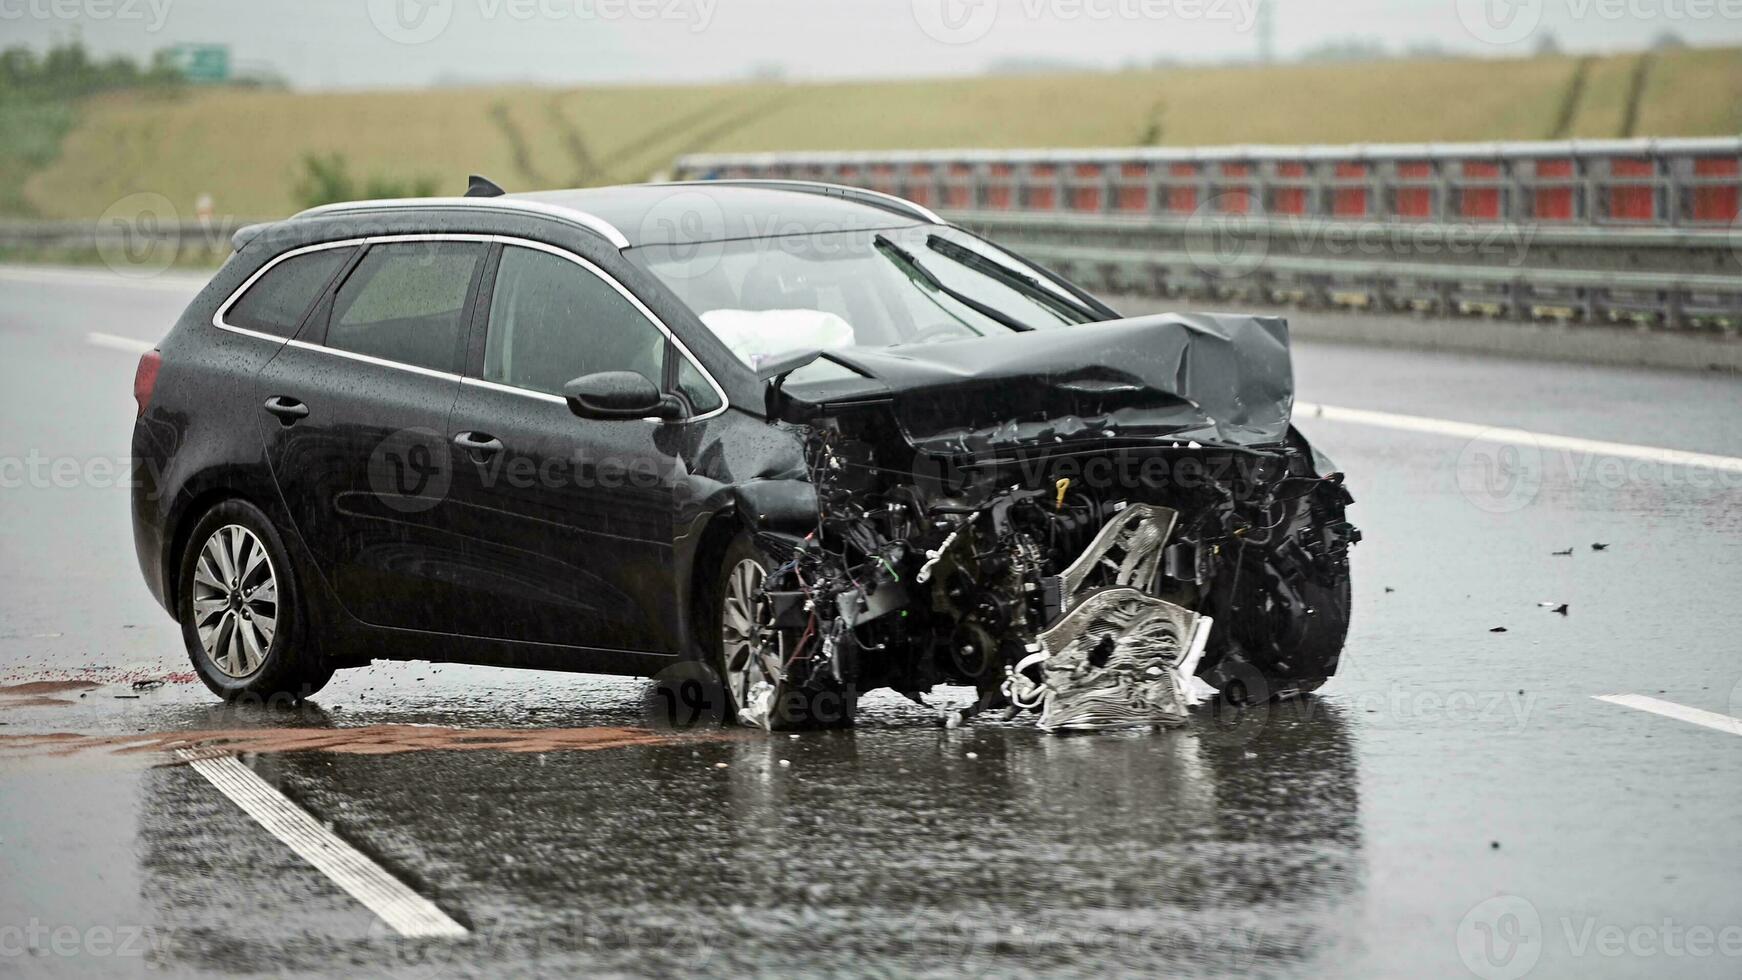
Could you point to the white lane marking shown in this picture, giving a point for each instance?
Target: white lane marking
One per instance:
(1680, 712)
(116, 342)
(1519, 437)
(77, 277)
(409, 913)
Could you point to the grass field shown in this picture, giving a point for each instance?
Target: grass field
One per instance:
(245, 147)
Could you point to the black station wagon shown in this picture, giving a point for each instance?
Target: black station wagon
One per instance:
(796, 440)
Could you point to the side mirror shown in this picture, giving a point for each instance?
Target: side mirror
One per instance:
(610, 395)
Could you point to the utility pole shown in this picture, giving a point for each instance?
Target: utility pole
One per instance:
(1266, 29)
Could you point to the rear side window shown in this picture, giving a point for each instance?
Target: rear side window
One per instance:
(406, 302)
(278, 300)
(552, 321)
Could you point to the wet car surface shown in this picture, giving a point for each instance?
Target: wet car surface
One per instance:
(1447, 775)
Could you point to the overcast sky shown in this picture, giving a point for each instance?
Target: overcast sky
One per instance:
(325, 44)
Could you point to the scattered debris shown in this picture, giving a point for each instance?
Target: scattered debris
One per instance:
(1497, 629)
(1562, 554)
(1559, 607)
(1390, 589)
(46, 687)
(148, 684)
(1599, 546)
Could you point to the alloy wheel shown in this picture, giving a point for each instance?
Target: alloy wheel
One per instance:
(747, 638)
(235, 600)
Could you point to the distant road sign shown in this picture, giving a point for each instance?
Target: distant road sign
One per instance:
(207, 64)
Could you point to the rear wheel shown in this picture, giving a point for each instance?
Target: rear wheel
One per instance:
(240, 609)
(766, 669)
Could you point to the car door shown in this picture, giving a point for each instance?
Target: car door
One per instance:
(568, 522)
(355, 423)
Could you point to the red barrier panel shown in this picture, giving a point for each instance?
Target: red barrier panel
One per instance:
(1349, 202)
(882, 178)
(960, 191)
(1480, 203)
(1042, 189)
(1289, 200)
(1133, 187)
(1087, 198)
(1414, 201)
(1554, 202)
(998, 188)
(916, 183)
(1235, 198)
(1716, 203)
(1632, 202)
(1182, 200)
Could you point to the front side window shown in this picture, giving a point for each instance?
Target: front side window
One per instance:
(278, 300)
(406, 302)
(552, 321)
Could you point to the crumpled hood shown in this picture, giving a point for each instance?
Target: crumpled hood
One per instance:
(1218, 379)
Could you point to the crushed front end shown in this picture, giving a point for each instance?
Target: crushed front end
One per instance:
(1102, 528)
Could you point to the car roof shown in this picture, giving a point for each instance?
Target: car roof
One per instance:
(687, 212)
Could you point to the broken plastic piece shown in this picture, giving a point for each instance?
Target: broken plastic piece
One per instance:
(1112, 662)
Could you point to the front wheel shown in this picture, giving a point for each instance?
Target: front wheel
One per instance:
(240, 609)
(766, 669)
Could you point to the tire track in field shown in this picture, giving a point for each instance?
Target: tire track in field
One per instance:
(517, 146)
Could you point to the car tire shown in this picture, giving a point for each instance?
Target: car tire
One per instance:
(799, 700)
(241, 609)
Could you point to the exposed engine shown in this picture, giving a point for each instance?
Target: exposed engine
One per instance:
(1104, 587)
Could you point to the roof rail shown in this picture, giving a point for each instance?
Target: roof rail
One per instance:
(876, 199)
(580, 219)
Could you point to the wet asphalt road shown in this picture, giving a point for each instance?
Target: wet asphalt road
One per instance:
(1455, 803)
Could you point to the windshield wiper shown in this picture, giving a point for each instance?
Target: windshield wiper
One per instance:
(909, 265)
(1022, 282)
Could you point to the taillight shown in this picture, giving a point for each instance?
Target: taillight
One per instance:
(145, 378)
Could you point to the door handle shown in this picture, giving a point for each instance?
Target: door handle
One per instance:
(481, 445)
(286, 408)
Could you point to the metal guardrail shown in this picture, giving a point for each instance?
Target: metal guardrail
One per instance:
(121, 241)
(1661, 183)
(1675, 279)
(1644, 231)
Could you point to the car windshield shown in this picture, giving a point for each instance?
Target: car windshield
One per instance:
(764, 297)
